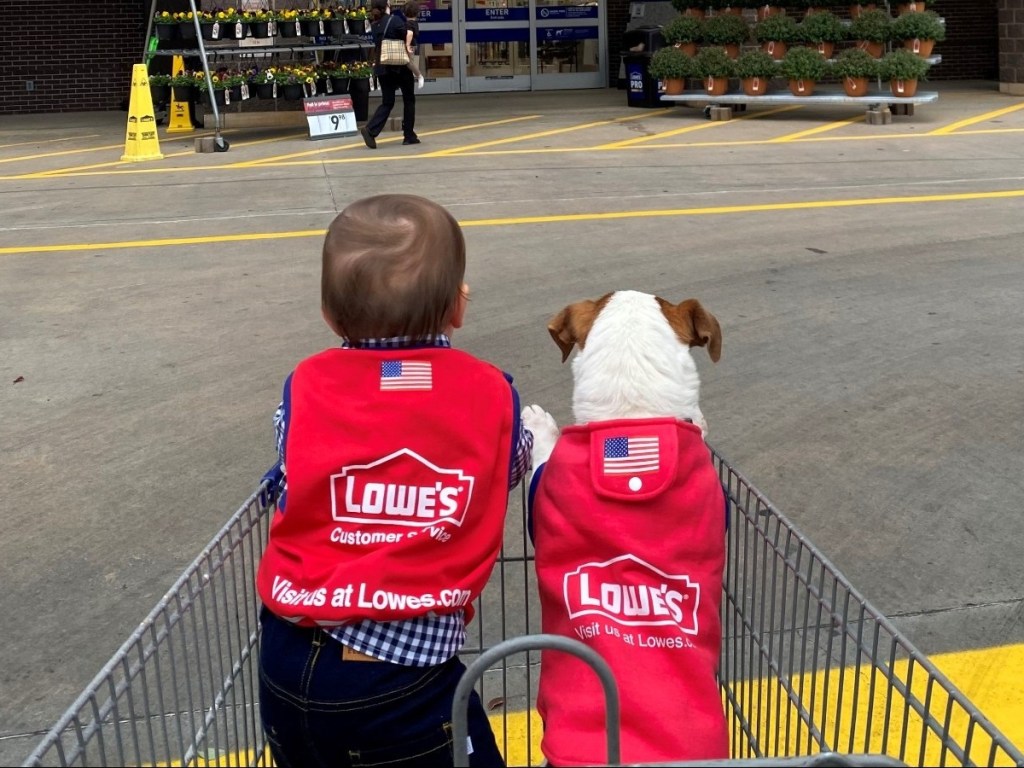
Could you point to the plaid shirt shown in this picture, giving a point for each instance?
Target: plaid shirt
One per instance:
(432, 639)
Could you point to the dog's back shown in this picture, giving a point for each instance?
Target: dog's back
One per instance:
(629, 532)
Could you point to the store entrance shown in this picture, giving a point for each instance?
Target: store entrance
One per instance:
(478, 46)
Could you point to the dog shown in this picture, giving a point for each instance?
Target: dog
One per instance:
(627, 516)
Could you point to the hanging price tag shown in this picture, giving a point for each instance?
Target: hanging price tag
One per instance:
(245, 91)
(239, 33)
(216, 30)
(298, 29)
(329, 116)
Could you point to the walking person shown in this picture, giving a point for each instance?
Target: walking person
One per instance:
(391, 78)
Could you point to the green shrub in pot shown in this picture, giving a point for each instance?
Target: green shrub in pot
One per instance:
(803, 64)
(671, 64)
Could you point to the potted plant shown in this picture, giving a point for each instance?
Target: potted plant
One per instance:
(264, 83)
(186, 25)
(313, 22)
(776, 34)
(871, 29)
(358, 21)
(823, 30)
(727, 31)
(337, 75)
(911, 6)
(234, 80)
(903, 69)
(765, 8)
(336, 23)
(919, 31)
(218, 89)
(726, 7)
(160, 88)
(684, 32)
(690, 7)
(855, 68)
(755, 69)
(165, 25)
(672, 66)
(259, 22)
(359, 88)
(803, 67)
(715, 67)
(858, 8)
(287, 22)
(182, 85)
(208, 26)
(232, 24)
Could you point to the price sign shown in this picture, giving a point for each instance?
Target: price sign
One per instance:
(330, 116)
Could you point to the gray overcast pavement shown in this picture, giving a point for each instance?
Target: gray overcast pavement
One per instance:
(871, 383)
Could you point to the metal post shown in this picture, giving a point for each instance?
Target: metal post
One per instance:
(209, 79)
(460, 705)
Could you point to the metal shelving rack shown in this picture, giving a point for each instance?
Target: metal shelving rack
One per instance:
(205, 54)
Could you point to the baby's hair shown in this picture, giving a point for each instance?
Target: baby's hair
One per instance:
(393, 265)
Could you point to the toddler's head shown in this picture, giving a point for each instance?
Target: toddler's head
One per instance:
(393, 265)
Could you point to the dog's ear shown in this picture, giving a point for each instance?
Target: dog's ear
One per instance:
(694, 325)
(572, 324)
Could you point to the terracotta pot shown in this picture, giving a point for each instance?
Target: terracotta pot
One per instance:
(732, 50)
(674, 86)
(825, 49)
(755, 86)
(697, 12)
(690, 49)
(873, 49)
(903, 88)
(716, 86)
(735, 10)
(855, 86)
(801, 87)
(858, 8)
(922, 48)
(775, 48)
(814, 9)
(764, 11)
(912, 7)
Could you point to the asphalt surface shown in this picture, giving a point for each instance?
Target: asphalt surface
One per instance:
(868, 280)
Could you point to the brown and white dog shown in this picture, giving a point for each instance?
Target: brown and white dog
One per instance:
(628, 520)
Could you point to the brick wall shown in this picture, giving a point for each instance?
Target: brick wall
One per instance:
(1011, 46)
(77, 53)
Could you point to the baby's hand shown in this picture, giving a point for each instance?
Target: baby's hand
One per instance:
(545, 432)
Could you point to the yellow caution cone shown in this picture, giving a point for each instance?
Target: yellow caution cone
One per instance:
(141, 142)
(180, 119)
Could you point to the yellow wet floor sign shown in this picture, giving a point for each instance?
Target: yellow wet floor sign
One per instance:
(141, 142)
(179, 118)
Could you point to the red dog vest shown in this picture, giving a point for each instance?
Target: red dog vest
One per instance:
(630, 547)
(398, 468)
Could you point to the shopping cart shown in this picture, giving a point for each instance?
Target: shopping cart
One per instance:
(809, 669)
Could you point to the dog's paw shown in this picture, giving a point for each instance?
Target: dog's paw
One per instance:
(545, 432)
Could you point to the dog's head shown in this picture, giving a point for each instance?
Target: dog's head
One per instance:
(634, 355)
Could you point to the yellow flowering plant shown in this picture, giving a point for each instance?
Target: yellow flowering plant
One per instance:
(165, 17)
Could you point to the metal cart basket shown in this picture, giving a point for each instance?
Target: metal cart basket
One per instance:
(808, 666)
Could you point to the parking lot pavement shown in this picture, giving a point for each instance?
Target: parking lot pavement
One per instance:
(868, 280)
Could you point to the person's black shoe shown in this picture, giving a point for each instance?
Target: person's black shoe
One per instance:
(411, 141)
(367, 138)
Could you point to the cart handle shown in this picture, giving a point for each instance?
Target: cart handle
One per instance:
(270, 484)
(460, 705)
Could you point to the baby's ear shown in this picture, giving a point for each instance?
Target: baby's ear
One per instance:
(331, 322)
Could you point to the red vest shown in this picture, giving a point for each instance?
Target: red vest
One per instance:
(398, 465)
(629, 533)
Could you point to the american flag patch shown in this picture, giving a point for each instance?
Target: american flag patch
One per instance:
(403, 374)
(630, 455)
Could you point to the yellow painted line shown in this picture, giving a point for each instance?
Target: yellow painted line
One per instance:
(199, 240)
(551, 219)
(324, 150)
(50, 141)
(545, 134)
(975, 120)
(819, 129)
(992, 679)
(691, 128)
(62, 153)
